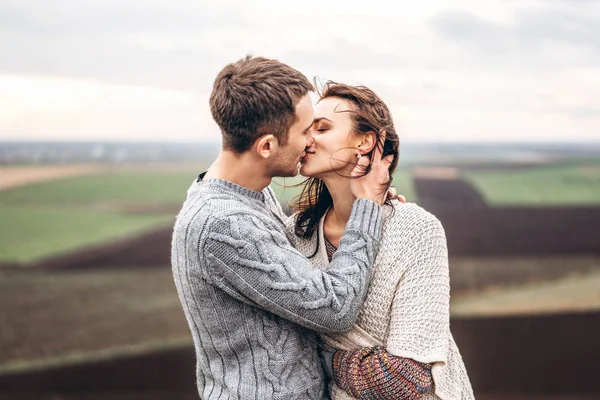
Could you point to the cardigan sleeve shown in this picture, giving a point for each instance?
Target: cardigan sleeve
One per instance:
(373, 373)
(420, 320)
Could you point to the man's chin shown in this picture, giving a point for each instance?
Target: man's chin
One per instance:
(290, 173)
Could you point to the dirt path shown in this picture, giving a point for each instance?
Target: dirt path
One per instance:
(13, 176)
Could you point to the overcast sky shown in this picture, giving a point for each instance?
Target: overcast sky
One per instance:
(143, 70)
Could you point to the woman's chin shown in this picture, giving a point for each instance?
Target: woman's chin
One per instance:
(304, 171)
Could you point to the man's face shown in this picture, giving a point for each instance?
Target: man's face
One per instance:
(286, 160)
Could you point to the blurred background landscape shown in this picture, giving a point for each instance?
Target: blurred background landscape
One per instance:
(89, 309)
(104, 123)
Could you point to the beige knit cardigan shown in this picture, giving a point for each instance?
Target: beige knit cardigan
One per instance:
(407, 304)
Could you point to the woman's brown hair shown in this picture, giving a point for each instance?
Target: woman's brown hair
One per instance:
(369, 114)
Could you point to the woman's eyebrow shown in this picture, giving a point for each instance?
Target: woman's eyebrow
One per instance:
(320, 119)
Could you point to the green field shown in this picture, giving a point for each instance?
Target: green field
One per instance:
(48, 218)
(134, 185)
(567, 184)
(44, 219)
(32, 232)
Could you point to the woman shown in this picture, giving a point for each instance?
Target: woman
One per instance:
(401, 346)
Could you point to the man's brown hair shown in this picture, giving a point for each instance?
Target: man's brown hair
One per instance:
(256, 96)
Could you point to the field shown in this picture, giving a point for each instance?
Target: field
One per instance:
(560, 184)
(106, 304)
(60, 215)
(15, 176)
(577, 293)
(470, 274)
(67, 212)
(29, 233)
(71, 316)
(119, 185)
(64, 213)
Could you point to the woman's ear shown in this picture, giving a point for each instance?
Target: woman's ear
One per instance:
(367, 143)
(265, 145)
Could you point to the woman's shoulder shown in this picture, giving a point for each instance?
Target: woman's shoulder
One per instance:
(412, 218)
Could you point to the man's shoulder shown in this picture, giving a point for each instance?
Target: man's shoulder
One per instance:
(203, 205)
(219, 206)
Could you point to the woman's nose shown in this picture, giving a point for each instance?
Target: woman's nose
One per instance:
(309, 139)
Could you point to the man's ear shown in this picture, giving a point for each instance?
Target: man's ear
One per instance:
(265, 145)
(367, 142)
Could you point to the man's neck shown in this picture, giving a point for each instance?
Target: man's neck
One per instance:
(241, 169)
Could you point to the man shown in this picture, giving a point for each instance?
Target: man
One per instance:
(251, 300)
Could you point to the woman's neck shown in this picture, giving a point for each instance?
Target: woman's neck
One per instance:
(339, 214)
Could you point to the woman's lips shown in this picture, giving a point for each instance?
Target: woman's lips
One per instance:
(306, 154)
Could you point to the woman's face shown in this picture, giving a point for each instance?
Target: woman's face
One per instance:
(334, 148)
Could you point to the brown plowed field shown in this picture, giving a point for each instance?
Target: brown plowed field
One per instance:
(57, 317)
(482, 232)
(521, 231)
(529, 357)
(532, 354)
(435, 193)
(145, 250)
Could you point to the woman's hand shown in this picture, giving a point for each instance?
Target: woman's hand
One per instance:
(371, 178)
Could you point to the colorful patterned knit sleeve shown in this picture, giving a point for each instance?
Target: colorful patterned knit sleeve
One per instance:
(373, 373)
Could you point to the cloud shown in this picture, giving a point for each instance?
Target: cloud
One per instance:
(581, 112)
(342, 54)
(537, 38)
(117, 43)
(527, 62)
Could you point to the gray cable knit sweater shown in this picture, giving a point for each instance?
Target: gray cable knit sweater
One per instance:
(249, 296)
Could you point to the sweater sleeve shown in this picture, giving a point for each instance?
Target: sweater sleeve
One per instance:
(420, 315)
(252, 259)
(373, 373)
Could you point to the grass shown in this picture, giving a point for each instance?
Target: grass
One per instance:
(125, 185)
(568, 184)
(48, 218)
(30, 233)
